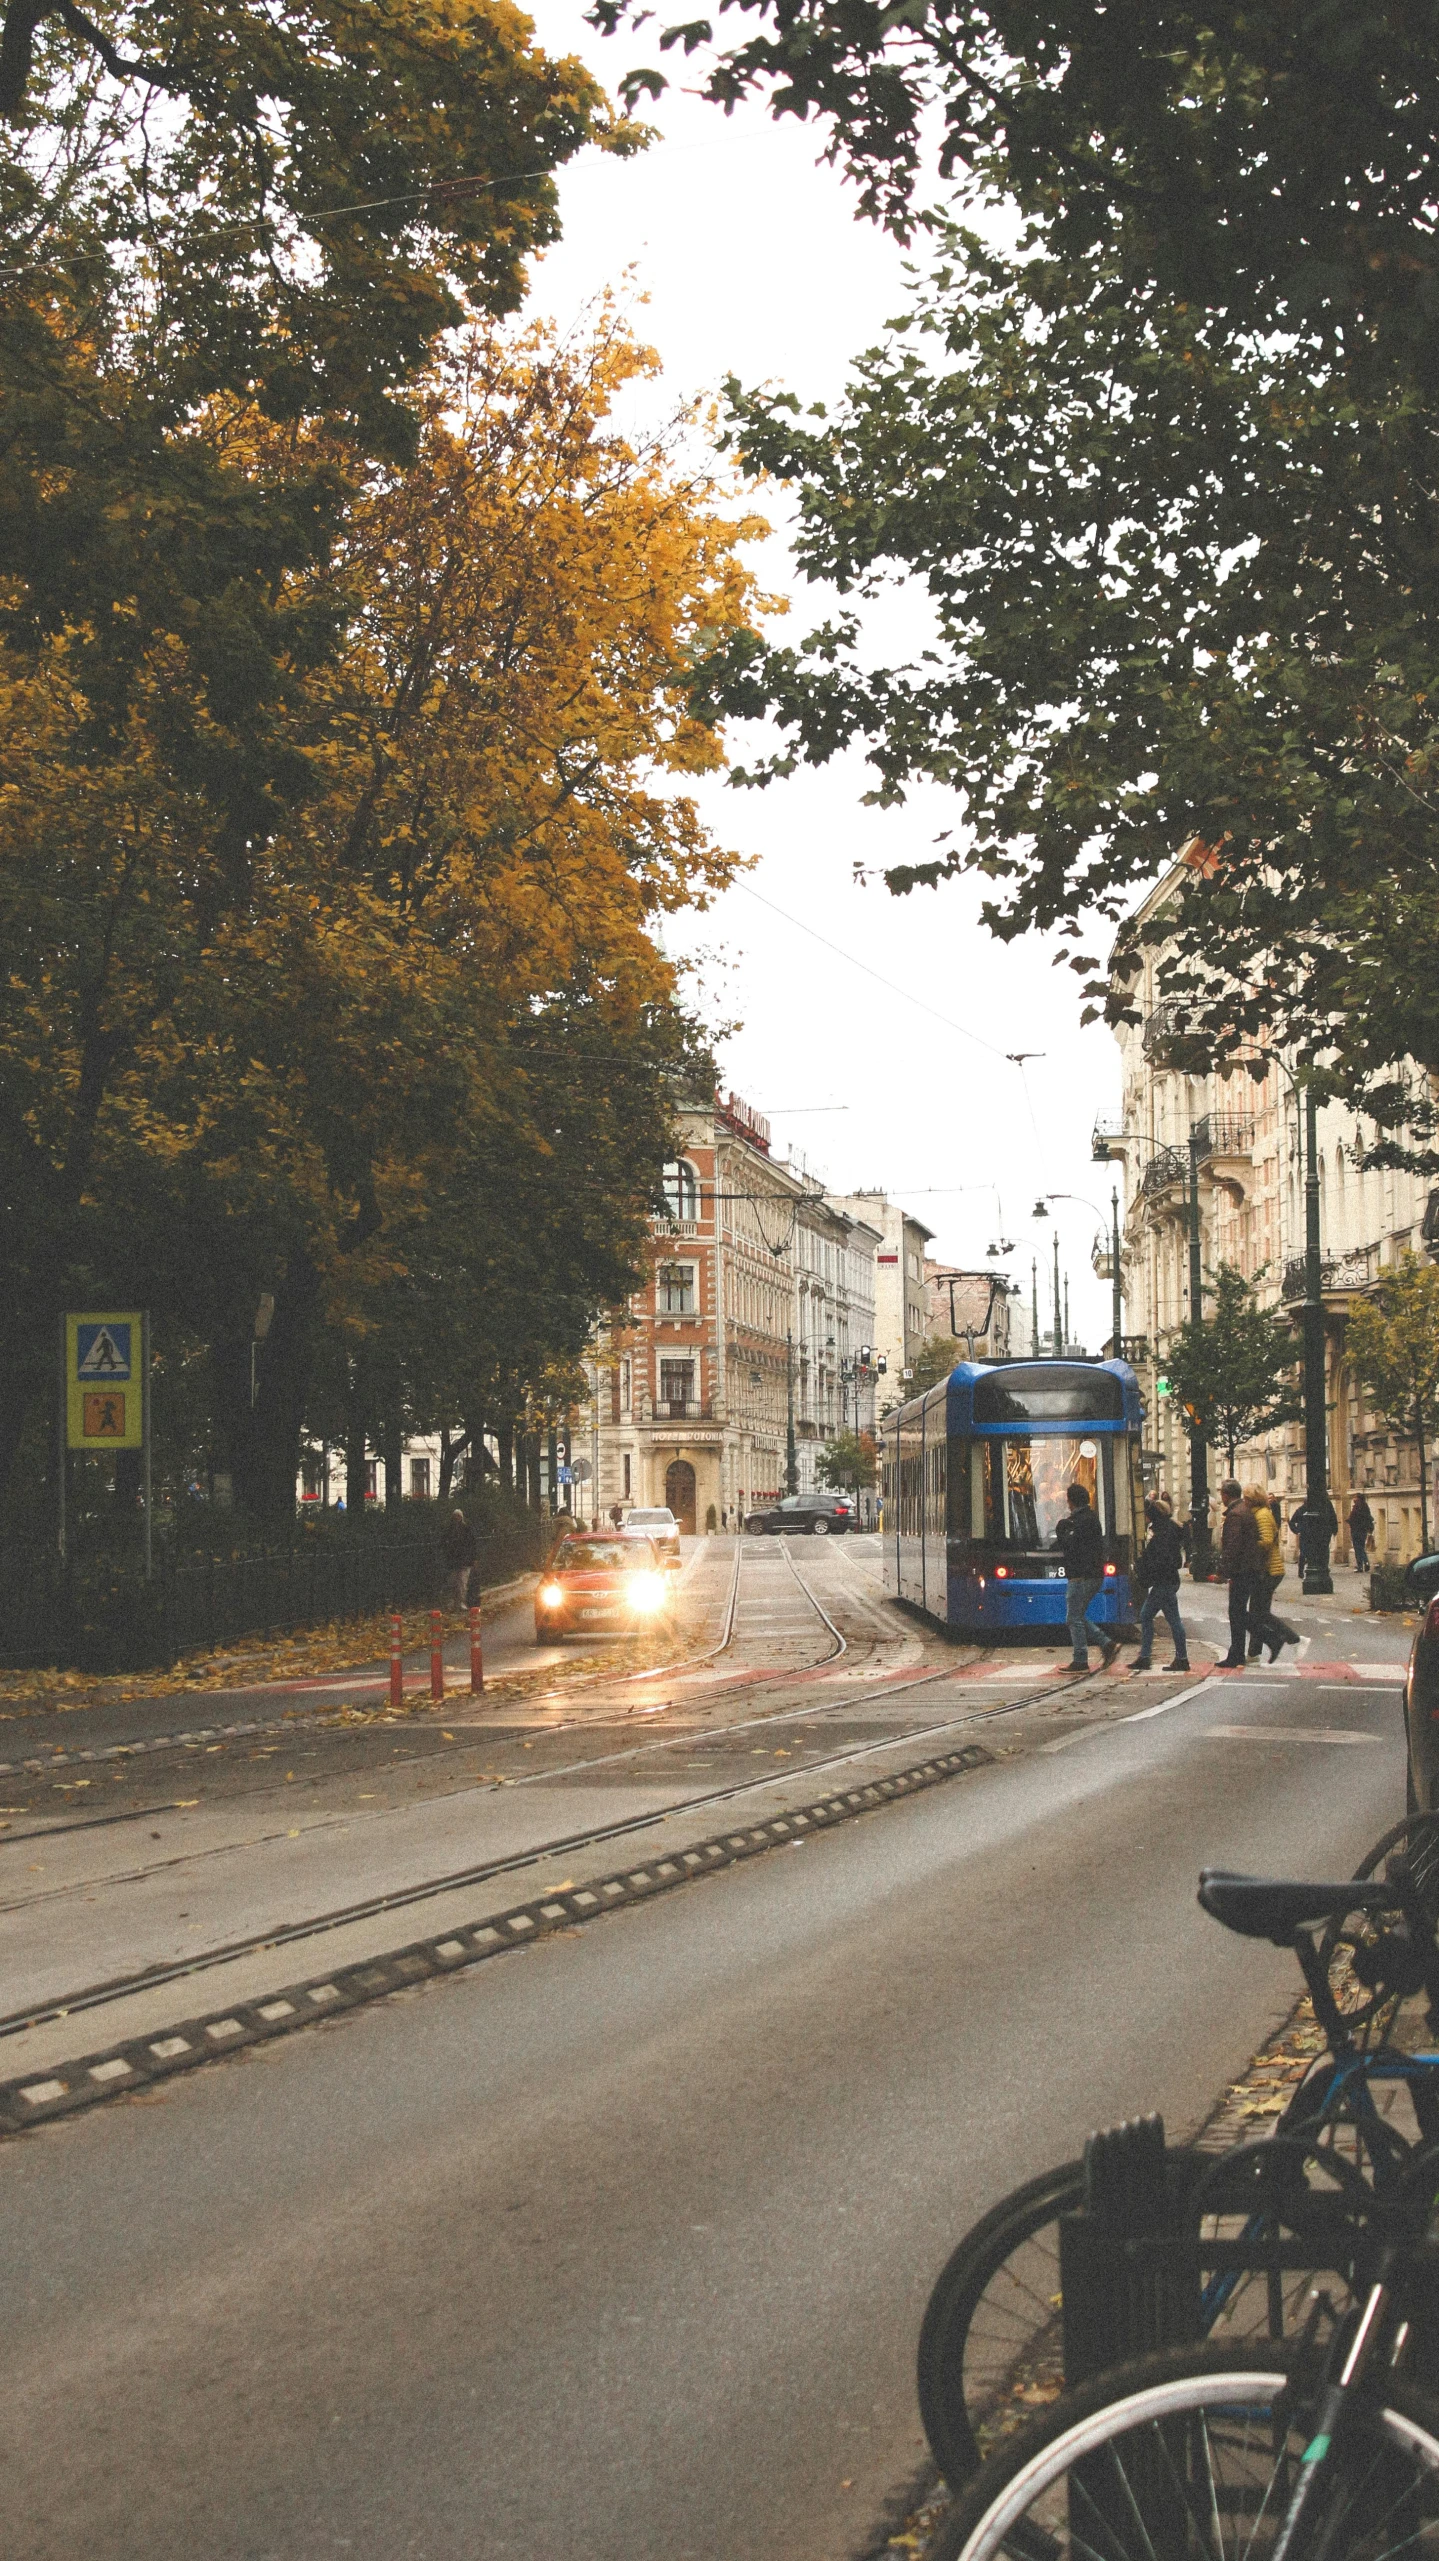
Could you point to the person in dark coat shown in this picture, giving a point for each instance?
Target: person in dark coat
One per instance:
(457, 1547)
(1080, 1541)
(1158, 1571)
(1361, 1530)
(1241, 1561)
(1312, 1525)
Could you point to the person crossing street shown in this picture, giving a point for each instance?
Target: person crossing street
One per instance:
(1264, 1628)
(1241, 1562)
(1159, 1566)
(1080, 1541)
(1361, 1530)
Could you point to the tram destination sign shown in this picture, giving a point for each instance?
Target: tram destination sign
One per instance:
(104, 1381)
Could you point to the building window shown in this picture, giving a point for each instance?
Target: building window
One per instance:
(627, 1476)
(675, 1285)
(681, 1190)
(372, 1480)
(677, 1384)
(419, 1480)
(626, 1389)
(312, 1480)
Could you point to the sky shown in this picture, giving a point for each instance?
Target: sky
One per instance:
(874, 1032)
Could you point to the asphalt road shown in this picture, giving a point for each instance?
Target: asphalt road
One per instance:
(617, 2247)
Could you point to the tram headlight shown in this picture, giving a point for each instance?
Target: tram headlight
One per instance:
(552, 1596)
(1111, 1569)
(1001, 1573)
(646, 1592)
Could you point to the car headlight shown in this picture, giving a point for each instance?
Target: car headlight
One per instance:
(646, 1592)
(552, 1596)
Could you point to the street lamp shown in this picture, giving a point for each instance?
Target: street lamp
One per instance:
(791, 1460)
(1315, 1556)
(1109, 1150)
(1117, 1304)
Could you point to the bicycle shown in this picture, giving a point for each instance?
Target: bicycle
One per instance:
(996, 2301)
(1273, 2454)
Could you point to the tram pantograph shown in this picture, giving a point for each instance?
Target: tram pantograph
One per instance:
(976, 1480)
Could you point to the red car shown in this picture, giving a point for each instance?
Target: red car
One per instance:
(595, 1582)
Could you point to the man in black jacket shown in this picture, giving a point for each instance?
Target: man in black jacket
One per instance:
(1158, 1571)
(1241, 1561)
(1080, 1541)
(457, 1547)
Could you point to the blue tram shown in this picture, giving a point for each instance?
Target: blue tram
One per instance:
(976, 1480)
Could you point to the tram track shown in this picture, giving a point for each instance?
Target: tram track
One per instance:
(100, 1994)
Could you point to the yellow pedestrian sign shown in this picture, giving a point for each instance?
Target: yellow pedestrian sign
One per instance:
(104, 1382)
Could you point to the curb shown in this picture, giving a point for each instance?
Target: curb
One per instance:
(37, 2098)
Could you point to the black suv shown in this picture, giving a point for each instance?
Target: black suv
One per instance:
(819, 1514)
(1421, 1689)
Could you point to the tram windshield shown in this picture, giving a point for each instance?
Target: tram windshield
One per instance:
(1027, 1482)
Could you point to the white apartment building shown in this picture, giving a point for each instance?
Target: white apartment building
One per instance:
(1249, 1141)
(901, 1305)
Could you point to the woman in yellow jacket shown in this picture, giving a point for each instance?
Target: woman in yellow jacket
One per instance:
(1264, 1627)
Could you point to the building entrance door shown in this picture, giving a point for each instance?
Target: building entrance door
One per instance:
(680, 1493)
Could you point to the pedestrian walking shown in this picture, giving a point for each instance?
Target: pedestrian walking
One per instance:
(1361, 1530)
(617, 1516)
(457, 1547)
(1080, 1541)
(1158, 1570)
(1239, 1561)
(1264, 1628)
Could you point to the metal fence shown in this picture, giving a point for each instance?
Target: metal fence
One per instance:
(97, 1617)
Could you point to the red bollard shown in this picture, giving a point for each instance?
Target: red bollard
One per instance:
(397, 1663)
(477, 1654)
(437, 1654)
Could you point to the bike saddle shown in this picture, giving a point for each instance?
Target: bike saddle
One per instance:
(1267, 1907)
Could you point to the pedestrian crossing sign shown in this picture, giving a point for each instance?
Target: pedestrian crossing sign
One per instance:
(104, 1386)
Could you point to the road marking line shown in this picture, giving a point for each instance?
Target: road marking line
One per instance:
(1291, 1734)
(1162, 1706)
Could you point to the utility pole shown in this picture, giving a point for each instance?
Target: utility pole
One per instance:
(1201, 1553)
(1317, 1577)
(1117, 1312)
(1058, 1339)
(791, 1462)
(1034, 1306)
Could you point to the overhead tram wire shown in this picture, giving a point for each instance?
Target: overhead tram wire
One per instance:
(1006, 1055)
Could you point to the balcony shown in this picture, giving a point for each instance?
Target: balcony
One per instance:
(681, 1409)
(1106, 1145)
(1224, 1134)
(1166, 1170)
(1340, 1275)
(1160, 1029)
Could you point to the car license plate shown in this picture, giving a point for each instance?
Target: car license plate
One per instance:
(599, 1613)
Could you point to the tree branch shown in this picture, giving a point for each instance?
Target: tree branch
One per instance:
(17, 52)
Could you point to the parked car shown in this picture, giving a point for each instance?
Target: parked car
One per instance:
(659, 1525)
(816, 1514)
(595, 1581)
(1421, 1689)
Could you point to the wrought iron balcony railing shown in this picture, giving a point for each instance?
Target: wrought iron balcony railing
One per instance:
(1224, 1134)
(1166, 1168)
(1336, 1272)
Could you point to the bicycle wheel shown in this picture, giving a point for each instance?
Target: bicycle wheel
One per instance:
(994, 2301)
(993, 2326)
(1346, 1945)
(1192, 2455)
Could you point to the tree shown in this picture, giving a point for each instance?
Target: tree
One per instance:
(1164, 471)
(933, 1361)
(221, 221)
(1183, 594)
(850, 1459)
(413, 1074)
(1232, 1373)
(1392, 1340)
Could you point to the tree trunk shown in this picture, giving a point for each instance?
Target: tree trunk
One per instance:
(261, 1441)
(357, 1418)
(505, 1436)
(452, 1450)
(392, 1452)
(1423, 1477)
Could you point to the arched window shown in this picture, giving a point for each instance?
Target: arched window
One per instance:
(681, 1190)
